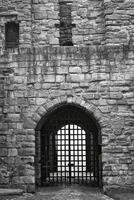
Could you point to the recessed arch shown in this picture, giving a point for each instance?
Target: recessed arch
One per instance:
(87, 110)
(50, 125)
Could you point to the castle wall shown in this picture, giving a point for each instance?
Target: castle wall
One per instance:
(86, 15)
(104, 80)
(97, 70)
(20, 12)
(119, 18)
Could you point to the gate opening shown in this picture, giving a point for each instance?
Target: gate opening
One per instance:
(70, 148)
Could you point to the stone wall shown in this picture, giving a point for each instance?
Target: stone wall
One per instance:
(103, 78)
(98, 22)
(97, 73)
(119, 25)
(87, 15)
(16, 11)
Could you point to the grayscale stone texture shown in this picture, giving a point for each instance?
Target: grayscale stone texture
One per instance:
(96, 73)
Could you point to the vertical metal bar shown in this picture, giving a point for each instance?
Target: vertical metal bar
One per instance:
(91, 156)
(73, 138)
(57, 150)
(75, 145)
(57, 159)
(82, 154)
(50, 155)
(86, 143)
(46, 155)
(60, 157)
(99, 160)
(53, 151)
(49, 150)
(94, 156)
(65, 158)
(69, 156)
(77, 149)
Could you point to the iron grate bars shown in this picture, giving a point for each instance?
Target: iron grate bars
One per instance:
(69, 150)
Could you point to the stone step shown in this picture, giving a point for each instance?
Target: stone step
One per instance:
(6, 191)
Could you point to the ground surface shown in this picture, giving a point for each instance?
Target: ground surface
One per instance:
(61, 193)
(121, 195)
(70, 193)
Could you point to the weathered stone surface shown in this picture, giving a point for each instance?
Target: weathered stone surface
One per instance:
(96, 73)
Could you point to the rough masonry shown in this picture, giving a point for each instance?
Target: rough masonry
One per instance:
(97, 72)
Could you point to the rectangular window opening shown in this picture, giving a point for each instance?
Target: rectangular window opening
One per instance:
(11, 35)
(65, 24)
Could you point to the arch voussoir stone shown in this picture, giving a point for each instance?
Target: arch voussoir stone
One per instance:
(63, 98)
(56, 102)
(41, 110)
(36, 117)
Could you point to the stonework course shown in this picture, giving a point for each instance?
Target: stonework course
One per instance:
(96, 73)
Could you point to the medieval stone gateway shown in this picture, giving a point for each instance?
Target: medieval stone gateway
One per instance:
(66, 93)
(68, 148)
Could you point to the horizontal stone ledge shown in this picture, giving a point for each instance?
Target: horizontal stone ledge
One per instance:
(28, 54)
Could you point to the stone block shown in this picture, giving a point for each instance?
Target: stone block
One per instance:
(26, 151)
(36, 117)
(89, 96)
(130, 180)
(28, 179)
(49, 78)
(22, 101)
(88, 77)
(40, 15)
(131, 148)
(14, 117)
(100, 76)
(60, 78)
(125, 160)
(46, 86)
(12, 152)
(116, 95)
(23, 180)
(28, 144)
(131, 167)
(83, 85)
(28, 123)
(21, 170)
(3, 138)
(62, 70)
(75, 70)
(3, 152)
(40, 100)
(54, 40)
(41, 111)
(27, 159)
(102, 102)
(76, 78)
(104, 109)
(29, 172)
(130, 101)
